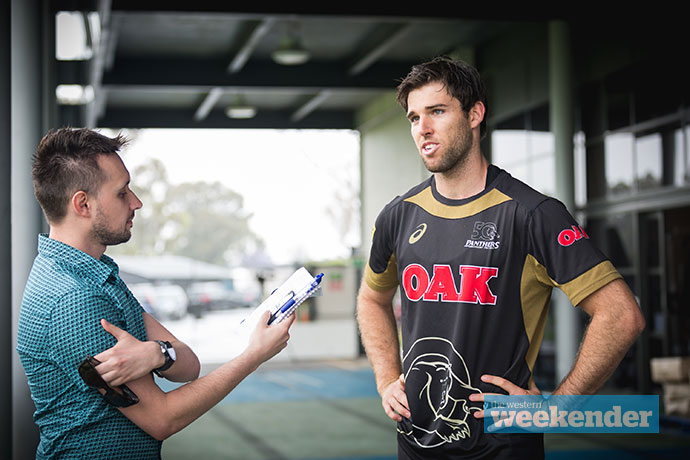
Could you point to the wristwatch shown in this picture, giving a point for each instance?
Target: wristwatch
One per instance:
(169, 354)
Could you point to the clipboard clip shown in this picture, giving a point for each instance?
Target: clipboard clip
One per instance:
(288, 301)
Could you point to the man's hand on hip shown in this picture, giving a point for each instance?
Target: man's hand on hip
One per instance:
(394, 400)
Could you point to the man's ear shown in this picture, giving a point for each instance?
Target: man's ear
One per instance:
(476, 114)
(81, 204)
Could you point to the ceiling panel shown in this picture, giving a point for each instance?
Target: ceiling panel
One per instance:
(173, 34)
(183, 63)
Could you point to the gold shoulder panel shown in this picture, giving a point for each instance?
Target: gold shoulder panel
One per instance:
(535, 294)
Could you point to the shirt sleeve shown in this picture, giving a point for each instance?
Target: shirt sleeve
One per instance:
(381, 272)
(570, 260)
(75, 330)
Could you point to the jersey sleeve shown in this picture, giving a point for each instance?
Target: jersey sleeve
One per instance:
(75, 331)
(381, 272)
(568, 258)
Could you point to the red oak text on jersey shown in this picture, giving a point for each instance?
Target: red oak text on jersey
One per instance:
(474, 284)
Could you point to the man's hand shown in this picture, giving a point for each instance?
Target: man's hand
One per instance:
(129, 359)
(394, 400)
(506, 385)
(267, 341)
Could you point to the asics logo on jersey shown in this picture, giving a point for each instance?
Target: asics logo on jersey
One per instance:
(571, 235)
(474, 284)
(418, 233)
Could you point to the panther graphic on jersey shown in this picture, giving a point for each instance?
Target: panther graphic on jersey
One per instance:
(435, 366)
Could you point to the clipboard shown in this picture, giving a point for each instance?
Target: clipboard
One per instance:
(284, 300)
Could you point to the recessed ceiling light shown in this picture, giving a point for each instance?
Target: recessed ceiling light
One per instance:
(240, 111)
(74, 94)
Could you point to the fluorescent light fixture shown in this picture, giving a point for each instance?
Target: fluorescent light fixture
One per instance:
(240, 111)
(290, 51)
(73, 40)
(74, 94)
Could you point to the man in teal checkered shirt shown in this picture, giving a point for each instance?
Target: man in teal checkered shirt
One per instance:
(75, 305)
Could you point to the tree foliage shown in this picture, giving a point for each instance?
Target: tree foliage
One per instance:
(202, 220)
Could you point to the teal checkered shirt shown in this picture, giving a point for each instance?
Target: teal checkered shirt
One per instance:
(66, 295)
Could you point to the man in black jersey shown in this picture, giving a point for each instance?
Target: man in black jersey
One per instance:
(476, 253)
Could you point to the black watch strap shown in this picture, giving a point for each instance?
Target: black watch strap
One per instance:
(168, 359)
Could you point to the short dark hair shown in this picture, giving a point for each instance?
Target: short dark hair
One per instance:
(65, 162)
(461, 80)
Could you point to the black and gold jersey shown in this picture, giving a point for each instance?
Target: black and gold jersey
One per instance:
(475, 278)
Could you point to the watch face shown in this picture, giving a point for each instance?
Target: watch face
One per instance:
(171, 352)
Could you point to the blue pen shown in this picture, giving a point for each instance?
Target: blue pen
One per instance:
(287, 305)
(290, 302)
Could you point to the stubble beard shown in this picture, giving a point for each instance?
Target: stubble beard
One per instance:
(455, 158)
(106, 236)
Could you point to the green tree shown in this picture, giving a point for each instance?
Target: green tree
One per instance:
(201, 220)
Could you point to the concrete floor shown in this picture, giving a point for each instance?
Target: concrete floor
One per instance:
(330, 410)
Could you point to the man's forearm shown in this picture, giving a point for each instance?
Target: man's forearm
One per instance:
(164, 414)
(611, 332)
(190, 401)
(186, 367)
(380, 338)
(594, 364)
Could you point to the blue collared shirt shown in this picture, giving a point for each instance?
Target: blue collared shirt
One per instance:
(67, 294)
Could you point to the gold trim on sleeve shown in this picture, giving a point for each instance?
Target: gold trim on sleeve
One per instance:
(384, 281)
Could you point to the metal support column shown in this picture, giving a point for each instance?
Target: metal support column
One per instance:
(27, 67)
(6, 342)
(567, 330)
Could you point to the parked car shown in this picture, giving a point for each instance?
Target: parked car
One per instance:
(167, 301)
(214, 295)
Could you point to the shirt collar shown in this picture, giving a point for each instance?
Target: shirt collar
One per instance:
(98, 270)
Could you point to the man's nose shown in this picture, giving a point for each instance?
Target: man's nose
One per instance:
(136, 202)
(425, 125)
